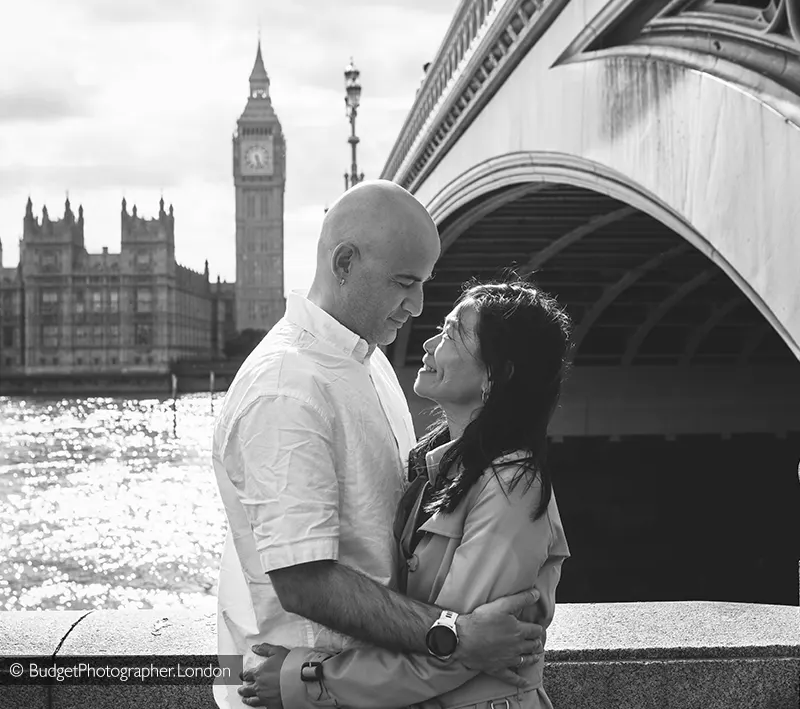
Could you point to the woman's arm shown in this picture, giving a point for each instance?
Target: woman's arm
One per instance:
(500, 553)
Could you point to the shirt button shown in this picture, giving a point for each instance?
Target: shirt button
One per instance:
(413, 563)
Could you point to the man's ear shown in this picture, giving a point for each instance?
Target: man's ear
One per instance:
(342, 259)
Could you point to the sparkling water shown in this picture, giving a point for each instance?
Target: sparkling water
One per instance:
(108, 503)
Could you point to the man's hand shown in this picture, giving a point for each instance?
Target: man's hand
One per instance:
(491, 638)
(262, 684)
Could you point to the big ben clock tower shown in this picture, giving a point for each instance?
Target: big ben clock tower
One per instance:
(259, 176)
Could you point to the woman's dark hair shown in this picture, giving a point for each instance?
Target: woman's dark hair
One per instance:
(523, 341)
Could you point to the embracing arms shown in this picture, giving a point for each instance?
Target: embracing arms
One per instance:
(279, 458)
(500, 552)
(341, 598)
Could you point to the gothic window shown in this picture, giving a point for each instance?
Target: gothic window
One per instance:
(8, 336)
(144, 334)
(113, 301)
(250, 200)
(144, 300)
(81, 334)
(48, 261)
(49, 301)
(275, 266)
(113, 333)
(97, 335)
(97, 301)
(143, 260)
(263, 200)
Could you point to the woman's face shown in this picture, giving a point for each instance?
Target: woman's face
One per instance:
(452, 373)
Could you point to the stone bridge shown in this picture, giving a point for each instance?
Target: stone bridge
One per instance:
(642, 161)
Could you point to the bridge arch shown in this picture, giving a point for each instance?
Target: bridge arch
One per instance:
(511, 176)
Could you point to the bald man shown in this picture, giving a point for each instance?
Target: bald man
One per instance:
(310, 452)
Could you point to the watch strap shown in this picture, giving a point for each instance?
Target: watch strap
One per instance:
(311, 672)
(449, 619)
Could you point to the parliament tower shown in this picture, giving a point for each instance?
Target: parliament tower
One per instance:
(259, 176)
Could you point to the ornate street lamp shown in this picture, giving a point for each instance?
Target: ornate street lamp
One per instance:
(352, 100)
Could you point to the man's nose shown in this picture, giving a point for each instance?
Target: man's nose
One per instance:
(413, 303)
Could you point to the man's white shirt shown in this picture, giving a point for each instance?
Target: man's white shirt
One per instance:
(310, 452)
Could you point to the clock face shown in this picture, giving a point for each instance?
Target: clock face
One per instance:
(257, 158)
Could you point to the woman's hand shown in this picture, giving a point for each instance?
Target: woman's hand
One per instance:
(262, 684)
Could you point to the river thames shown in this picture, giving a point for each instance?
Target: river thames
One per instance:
(102, 506)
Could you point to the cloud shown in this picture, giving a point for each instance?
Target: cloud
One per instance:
(28, 104)
(127, 12)
(85, 177)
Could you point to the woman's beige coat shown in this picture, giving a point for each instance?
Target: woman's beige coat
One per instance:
(487, 548)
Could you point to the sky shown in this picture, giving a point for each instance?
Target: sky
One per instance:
(101, 99)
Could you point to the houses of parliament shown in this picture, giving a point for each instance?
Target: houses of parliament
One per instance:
(70, 315)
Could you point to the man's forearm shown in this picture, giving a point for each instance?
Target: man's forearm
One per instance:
(349, 602)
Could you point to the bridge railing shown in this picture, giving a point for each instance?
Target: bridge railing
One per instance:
(485, 41)
(468, 20)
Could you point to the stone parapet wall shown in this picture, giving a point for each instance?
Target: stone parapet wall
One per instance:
(637, 655)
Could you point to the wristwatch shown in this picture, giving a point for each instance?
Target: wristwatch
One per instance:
(442, 638)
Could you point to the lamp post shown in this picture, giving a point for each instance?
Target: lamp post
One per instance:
(352, 99)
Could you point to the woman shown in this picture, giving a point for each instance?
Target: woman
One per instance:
(479, 520)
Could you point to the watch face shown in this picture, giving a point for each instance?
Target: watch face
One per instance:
(258, 158)
(441, 641)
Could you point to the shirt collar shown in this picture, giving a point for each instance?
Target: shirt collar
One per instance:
(303, 313)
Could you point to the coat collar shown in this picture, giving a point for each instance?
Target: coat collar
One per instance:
(434, 457)
(451, 524)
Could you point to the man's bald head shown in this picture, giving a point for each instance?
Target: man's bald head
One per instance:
(377, 245)
(375, 216)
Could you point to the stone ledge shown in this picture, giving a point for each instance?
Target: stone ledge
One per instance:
(637, 655)
(672, 631)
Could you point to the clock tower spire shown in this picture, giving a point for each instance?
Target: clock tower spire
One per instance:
(259, 178)
(259, 81)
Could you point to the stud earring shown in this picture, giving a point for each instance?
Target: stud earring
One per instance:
(484, 395)
(341, 281)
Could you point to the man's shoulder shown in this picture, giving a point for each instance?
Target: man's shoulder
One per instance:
(279, 367)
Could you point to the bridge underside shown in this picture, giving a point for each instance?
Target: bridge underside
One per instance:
(638, 294)
(682, 400)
